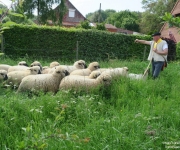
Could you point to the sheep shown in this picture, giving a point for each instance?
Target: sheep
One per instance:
(143, 76)
(84, 84)
(44, 82)
(116, 72)
(22, 63)
(3, 75)
(80, 64)
(54, 64)
(15, 77)
(4, 67)
(17, 68)
(45, 69)
(86, 72)
(36, 63)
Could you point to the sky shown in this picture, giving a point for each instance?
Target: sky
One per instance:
(88, 6)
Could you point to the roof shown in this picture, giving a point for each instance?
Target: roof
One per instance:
(176, 11)
(108, 26)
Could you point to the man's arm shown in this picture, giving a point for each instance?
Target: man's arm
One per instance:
(142, 41)
(164, 52)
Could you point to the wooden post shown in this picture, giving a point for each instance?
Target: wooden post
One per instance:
(144, 57)
(77, 50)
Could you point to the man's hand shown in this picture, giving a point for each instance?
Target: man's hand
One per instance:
(136, 40)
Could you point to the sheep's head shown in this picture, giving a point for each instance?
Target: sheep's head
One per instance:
(60, 71)
(35, 70)
(94, 74)
(80, 64)
(54, 64)
(105, 79)
(36, 63)
(93, 66)
(3, 75)
(22, 63)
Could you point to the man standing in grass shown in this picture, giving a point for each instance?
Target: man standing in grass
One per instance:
(158, 52)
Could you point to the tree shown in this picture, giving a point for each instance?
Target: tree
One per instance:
(125, 19)
(44, 9)
(151, 19)
(171, 20)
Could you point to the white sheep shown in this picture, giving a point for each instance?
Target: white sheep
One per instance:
(3, 75)
(22, 63)
(86, 72)
(46, 69)
(17, 68)
(143, 76)
(36, 63)
(54, 64)
(84, 84)
(44, 82)
(4, 67)
(15, 77)
(116, 72)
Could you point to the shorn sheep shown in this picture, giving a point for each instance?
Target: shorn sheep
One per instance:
(43, 82)
(86, 72)
(15, 77)
(3, 75)
(84, 84)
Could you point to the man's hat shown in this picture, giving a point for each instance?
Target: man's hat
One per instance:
(156, 34)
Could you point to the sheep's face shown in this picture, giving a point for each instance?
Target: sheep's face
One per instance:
(93, 66)
(105, 79)
(36, 63)
(54, 64)
(60, 71)
(35, 70)
(3, 75)
(80, 64)
(22, 63)
(94, 74)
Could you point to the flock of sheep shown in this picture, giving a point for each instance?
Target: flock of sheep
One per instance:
(57, 77)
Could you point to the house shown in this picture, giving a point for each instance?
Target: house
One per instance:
(109, 27)
(172, 32)
(72, 17)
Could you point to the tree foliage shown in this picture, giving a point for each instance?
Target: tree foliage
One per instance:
(151, 18)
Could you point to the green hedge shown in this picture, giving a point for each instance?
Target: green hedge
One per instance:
(56, 42)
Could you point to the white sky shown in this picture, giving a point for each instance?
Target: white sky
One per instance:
(87, 6)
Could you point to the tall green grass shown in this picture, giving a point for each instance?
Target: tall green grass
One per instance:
(128, 115)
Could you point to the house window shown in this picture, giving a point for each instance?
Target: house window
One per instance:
(72, 13)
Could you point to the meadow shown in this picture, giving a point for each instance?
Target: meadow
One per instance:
(128, 115)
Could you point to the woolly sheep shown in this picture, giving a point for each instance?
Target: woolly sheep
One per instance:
(3, 75)
(23, 63)
(143, 76)
(36, 63)
(45, 69)
(80, 64)
(84, 84)
(54, 64)
(86, 72)
(44, 82)
(17, 68)
(116, 72)
(15, 77)
(4, 67)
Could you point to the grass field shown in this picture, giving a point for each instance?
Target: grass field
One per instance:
(128, 115)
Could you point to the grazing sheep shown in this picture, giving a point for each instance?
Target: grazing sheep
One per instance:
(143, 76)
(3, 75)
(86, 72)
(116, 72)
(15, 77)
(54, 64)
(37, 63)
(84, 84)
(23, 63)
(44, 82)
(4, 67)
